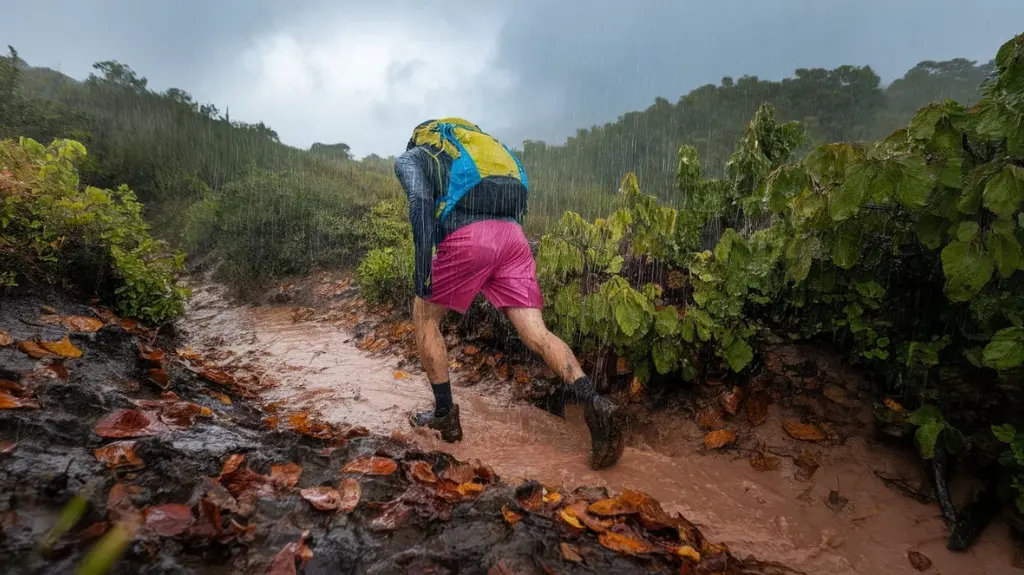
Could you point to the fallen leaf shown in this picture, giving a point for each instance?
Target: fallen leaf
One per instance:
(286, 475)
(636, 390)
(94, 530)
(893, 405)
(836, 394)
(371, 466)
(522, 376)
(611, 506)
(57, 368)
(350, 492)
(151, 354)
(806, 466)
(731, 400)
(530, 495)
(5, 339)
(168, 520)
(762, 462)
(502, 372)
(552, 497)
(225, 399)
(511, 517)
(400, 375)
(120, 507)
(687, 552)
(719, 439)
(62, 348)
(421, 471)
(232, 464)
(803, 431)
(158, 375)
(622, 366)
(284, 562)
(757, 408)
(214, 376)
(569, 516)
(469, 488)
(471, 350)
(7, 447)
(625, 543)
(919, 561)
(81, 323)
(129, 423)
(49, 309)
(710, 418)
(180, 414)
(189, 353)
(8, 401)
(34, 350)
(11, 386)
(323, 498)
(118, 454)
(570, 552)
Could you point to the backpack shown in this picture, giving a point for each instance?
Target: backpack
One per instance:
(476, 157)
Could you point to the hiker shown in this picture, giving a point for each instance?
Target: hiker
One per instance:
(467, 197)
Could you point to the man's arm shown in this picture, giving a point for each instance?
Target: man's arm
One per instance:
(411, 169)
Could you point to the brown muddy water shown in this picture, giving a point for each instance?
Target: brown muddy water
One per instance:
(774, 515)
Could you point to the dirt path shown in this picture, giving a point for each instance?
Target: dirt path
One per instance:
(771, 514)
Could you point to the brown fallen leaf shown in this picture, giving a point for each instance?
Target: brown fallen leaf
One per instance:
(399, 374)
(762, 462)
(710, 418)
(731, 400)
(57, 369)
(471, 350)
(719, 439)
(120, 506)
(371, 466)
(218, 377)
(570, 552)
(189, 353)
(286, 475)
(919, 561)
(62, 348)
(168, 520)
(757, 408)
(225, 399)
(232, 464)
(158, 375)
(5, 339)
(687, 552)
(469, 488)
(622, 366)
(421, 471)
(806, 466)
(350, 492)
(151, 354)
(803, 431)
(81, 323)
(627, 543)
(34, 350)
(129, 423)
(118, 454)
(323, 497)
(8, 401)
(568, 515)
(11, 386)
(836, 394)
(511, 517)
(893, 405)
(284, 562)
(552, 497)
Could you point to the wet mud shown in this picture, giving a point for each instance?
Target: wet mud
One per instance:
(120, 445)
(807, 484)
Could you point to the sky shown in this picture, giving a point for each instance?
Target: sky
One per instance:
(365, 73)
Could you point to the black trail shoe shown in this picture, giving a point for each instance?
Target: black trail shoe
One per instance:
(555, 403)
(607, 423)
(449, 425)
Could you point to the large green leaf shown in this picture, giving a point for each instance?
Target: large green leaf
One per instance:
(1006, 349)
(1005, 433)
(739, 354)
(846, 200)
(666, 321)
(913, 184)
(967, 269)
(846, 245)
(927, 436)
(1004, 192)
(1005, 251)
(922, 127)
(665, 355)
(929, 230)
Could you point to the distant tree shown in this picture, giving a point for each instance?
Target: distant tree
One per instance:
(340, 150)
(118, 74)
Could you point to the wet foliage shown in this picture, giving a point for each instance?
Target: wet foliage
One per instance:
(105, 467)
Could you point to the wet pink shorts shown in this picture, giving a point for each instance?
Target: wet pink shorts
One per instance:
(491, 256)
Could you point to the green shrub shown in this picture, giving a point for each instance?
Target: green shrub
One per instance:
(53, 229)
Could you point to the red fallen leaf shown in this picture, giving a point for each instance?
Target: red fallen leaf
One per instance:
(350, 492)
(169, 519)
(718, 439)
(710, 418)
(158, 375)
(232, 464)
(120, 506)
(286, 475)
(218, 377)
(595, 524)
(530, 495)
(323, 497)
(181, 414)
(757, 408)
(459, 472)
(284, 561)
(371, 466)
(803, 431)
(151, 354)
(129, 423)
(421, 471)
(118, 454)
(7, 447)
(8, 401)
(209, 512)
(731, 400)
(247, 486)
(81, 323)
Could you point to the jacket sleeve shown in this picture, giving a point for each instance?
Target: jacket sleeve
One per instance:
(411, 169)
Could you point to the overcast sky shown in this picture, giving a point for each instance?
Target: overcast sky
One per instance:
(365, 73)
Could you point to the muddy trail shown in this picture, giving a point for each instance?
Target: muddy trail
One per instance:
(119, 445)
(795, 478)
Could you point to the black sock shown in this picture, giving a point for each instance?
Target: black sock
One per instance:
(582, 390)
(442, 398)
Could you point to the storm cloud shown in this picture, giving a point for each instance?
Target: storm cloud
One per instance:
(365, 73)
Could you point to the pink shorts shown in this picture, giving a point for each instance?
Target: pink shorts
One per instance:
(491, 256)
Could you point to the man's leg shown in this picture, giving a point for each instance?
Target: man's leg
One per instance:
(434, 357)
(605, 419)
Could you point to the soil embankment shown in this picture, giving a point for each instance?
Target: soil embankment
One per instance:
(117, 439)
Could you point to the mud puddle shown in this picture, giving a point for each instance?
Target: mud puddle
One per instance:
(837, 517)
